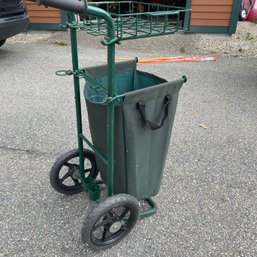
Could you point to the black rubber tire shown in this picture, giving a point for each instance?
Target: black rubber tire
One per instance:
(106, 213)
(57, 183)
(2, 42)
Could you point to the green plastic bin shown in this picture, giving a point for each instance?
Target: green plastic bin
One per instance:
(144, 116)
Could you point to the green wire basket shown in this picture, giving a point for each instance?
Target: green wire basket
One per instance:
(134, 20)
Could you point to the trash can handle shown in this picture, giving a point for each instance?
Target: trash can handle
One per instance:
(141, 108)
(77, 6)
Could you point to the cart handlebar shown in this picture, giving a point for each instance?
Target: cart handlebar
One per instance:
(77, 6)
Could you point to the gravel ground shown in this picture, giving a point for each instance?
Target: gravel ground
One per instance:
(207, 201)
(241, 44)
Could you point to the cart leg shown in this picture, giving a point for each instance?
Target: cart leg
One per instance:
(110, 155)
(151, 210)
(74, 52)
(110, 117)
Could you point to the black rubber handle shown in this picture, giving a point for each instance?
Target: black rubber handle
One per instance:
(141, 108)
(77, 6)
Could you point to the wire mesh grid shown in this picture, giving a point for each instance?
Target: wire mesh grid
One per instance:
(137, 20)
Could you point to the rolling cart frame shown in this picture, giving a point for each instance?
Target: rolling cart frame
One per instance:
(139, 21)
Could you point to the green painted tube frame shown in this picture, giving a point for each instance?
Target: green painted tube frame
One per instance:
(109, 41)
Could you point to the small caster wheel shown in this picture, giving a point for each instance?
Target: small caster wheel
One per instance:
(110, 221)
(65, 174)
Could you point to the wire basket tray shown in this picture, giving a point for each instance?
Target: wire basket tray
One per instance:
(134, 20)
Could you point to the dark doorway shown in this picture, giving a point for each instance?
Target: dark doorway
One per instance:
(179, 3)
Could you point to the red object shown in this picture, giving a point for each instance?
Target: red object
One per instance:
(252, 16)
(174, 59)
(248, 10)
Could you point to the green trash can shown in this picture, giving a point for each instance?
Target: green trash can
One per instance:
(144, 116)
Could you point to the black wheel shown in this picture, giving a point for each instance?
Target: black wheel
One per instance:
(242, 14)
(110, 221)
(2, 42)
(64, 174)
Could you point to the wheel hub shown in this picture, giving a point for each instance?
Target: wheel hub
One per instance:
(243, 14)
(75, 173)
(115, 227)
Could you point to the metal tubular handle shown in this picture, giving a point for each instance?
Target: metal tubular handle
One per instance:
(77, 6)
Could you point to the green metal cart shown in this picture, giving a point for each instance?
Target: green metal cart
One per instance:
(114, 217)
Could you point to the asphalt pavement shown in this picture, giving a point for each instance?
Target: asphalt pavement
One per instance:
(207, 204)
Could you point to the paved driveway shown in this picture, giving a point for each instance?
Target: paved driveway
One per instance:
(208, 199)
